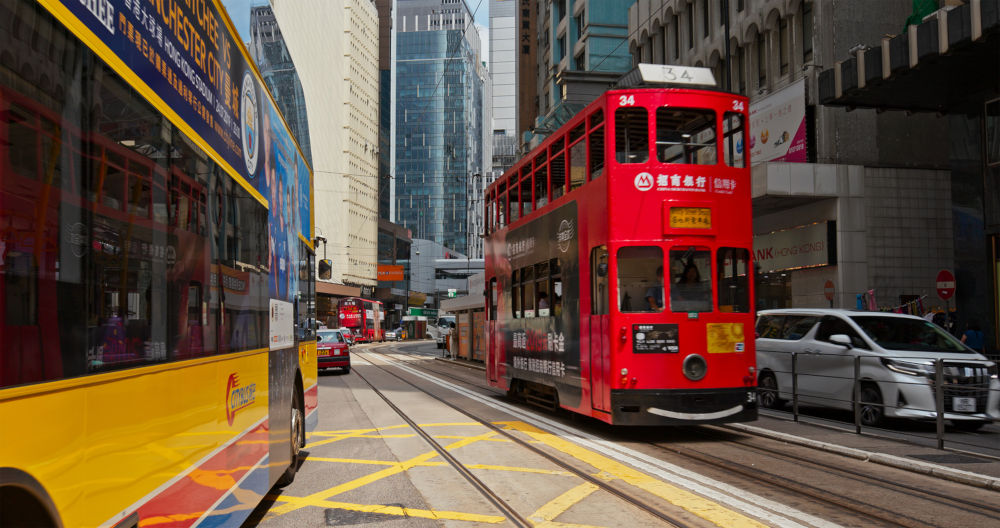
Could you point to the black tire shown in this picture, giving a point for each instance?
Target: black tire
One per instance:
(347, 370)
(767, 391)
(872, 413)
(969, 426)
(296, 429)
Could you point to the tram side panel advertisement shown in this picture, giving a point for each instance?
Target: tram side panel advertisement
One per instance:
(199, 76)
(542, 332)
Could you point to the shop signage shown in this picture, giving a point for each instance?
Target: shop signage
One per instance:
(390, 273)
(778, 125)
(801, 247)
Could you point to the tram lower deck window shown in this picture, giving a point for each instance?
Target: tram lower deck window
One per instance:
(691, 280)
(640, 279)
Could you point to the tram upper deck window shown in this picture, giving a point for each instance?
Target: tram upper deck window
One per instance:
(691, 283)
(631, 135)
(640, 279)
(734, 144)
(686, 135)
(595, 144)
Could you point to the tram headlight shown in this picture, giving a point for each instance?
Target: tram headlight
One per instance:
(695, 367)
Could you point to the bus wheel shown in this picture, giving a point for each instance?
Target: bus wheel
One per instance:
(295, 435)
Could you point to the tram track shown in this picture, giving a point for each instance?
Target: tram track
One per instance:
(885, 513)
(841, 501)
(600, 484)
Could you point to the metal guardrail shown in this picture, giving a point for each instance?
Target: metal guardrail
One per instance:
(939, 383)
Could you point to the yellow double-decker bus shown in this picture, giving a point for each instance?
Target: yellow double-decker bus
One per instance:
(157, 350)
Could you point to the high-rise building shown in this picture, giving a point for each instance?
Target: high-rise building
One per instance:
(335, 46)
(582, 50)
(503, 69)
(438, 119)
(850, 202)
(385, 52)
(268, 49)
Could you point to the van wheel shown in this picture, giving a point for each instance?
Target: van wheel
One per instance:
(871, 406)
(767, 391)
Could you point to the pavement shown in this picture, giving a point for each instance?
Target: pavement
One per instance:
(965, 467)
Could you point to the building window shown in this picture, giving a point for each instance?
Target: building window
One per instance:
(761, 61)
(581, 23)
(704, 18)
(690, 19)
(807, 31)
(739, 6)
(783, 45)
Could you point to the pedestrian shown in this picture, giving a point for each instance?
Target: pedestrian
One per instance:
(654, 294)
(974, 337)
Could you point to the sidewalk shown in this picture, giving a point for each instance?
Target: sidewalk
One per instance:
(967, 468)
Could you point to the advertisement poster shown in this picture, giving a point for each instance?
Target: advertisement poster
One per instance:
(801, 247)
(778, 126)
(183, 58)
(282, 325)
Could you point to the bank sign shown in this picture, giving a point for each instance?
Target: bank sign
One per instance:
(801, 247)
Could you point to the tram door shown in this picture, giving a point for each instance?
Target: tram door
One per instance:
(494, 343)
(600, 397)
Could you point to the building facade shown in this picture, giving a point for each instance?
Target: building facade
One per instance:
(880, 196)
(268, 50)
(582, 50)
(335, 45)
(438, 118)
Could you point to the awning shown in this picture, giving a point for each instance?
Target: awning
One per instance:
(950, 63)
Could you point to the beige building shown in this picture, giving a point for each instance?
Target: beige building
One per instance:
(335, 48)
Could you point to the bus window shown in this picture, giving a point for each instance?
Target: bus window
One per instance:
(691, 284)
(631, 135)
(541, 186)
(526, 201)
(685, 135)
(640, 279)
(577, 165)
(558, 175)
(733, 146)
(528, 291)
(542, 299)
(555, 287)
(595, 152)
(599, 280)
(733, 269)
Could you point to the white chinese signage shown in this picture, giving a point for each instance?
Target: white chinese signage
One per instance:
(282, 324)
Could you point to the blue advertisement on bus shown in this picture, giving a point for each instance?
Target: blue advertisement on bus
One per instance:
(183, 57)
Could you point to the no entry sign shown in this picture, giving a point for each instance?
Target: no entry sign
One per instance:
(945, 285)
(828, 290)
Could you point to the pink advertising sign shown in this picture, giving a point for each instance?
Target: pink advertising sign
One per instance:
(778, 126)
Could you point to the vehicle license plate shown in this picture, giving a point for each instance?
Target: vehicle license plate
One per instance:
(963, 404)
(323, 352)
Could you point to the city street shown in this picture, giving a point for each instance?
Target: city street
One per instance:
(366, 464)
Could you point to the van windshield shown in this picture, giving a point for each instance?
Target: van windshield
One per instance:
(899, 333)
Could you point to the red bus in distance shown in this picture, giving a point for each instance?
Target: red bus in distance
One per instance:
(618, 259)
(364, 317)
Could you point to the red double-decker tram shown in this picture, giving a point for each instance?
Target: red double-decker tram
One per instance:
(618, 259)
(364, 317)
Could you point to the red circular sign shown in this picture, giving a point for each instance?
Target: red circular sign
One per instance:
(945, 285)
(828, 290)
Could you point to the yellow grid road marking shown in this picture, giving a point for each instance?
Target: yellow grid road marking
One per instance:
(695, 504)
(439, 464)
(378, 475)
(389, 510)
(557, 506)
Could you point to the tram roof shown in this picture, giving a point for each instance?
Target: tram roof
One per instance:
(666, 76)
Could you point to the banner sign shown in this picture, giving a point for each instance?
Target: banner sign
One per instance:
(778, 126)
(185, 58)
(800, 247)
(390, 273)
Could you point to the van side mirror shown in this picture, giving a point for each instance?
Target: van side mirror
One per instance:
(841, 339)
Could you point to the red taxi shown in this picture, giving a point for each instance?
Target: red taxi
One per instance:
(332, 350)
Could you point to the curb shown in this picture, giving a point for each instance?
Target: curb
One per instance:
(916, 466)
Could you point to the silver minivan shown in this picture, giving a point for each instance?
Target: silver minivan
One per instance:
(897, 366)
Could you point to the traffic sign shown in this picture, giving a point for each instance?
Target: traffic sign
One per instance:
(945, 285)
(828, 290)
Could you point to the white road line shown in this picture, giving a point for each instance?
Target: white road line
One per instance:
(765, 509)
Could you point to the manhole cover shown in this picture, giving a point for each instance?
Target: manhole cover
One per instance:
(949, 458)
